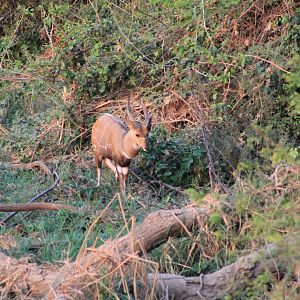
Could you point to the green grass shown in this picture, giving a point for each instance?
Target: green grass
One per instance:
(57, 236)
(61, 233)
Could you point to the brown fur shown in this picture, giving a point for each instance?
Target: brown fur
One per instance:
(116, 145)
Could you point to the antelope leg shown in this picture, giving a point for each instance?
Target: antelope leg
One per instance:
(124, 172)
(111, 165)
(121, 178)
(98, 161)
(98, 176)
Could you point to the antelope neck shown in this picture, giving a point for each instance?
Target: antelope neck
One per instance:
(130, 148)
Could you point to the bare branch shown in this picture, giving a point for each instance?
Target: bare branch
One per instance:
(35, 206)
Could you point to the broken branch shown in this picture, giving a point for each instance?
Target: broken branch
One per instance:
(35, 206)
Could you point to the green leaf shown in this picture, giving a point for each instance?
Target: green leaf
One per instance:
(274, 237)
(242, 60)
(215, 219)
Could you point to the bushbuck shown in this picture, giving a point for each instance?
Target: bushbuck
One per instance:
(116, 145)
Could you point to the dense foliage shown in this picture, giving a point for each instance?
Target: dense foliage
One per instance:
(222, 79)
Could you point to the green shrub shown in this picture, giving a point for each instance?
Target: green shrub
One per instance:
(175, 159)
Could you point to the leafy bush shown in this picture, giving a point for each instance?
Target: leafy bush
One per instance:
(177, 160)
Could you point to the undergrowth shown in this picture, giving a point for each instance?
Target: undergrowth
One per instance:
(222, 80)
(55, 236)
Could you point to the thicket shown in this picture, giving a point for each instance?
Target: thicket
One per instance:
(222, 79)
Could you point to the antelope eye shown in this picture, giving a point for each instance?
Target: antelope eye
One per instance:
(137, 135)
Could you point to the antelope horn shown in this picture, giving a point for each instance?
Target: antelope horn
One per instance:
(146, 115)
(129, 110)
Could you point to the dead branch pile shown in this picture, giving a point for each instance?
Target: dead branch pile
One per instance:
(255, 24)
(172, 110)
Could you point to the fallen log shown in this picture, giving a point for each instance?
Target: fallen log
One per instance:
(45, 281)
(75, 279)
(224, 282)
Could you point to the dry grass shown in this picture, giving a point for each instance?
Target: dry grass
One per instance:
(100, 271)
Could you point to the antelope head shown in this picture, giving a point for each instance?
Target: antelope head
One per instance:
(139, 130)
